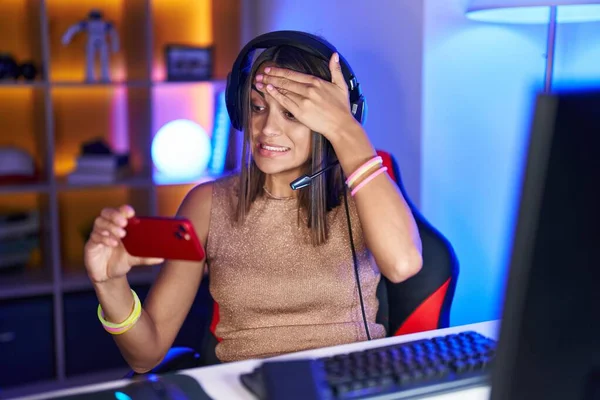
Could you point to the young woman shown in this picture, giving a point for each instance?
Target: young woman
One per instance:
(280, 261)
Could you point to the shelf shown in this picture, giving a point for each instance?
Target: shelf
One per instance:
(129, 18)
(138, 84)
(23, 121)
(215, 82)
(160, 180)
(134, 182)
(20, 84)
(52, 116)
(76, 279)
(24, 188)
(24, 283)
(20, 33)
(83, 85)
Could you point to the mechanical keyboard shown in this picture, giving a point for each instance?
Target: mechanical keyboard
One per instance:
(399, 371)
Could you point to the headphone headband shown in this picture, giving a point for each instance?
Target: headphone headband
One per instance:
(305, 41)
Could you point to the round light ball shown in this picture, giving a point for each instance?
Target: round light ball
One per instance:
(181, 149)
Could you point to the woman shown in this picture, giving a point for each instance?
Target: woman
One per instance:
(279, 260)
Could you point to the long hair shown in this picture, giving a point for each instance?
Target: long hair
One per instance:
(324, 193)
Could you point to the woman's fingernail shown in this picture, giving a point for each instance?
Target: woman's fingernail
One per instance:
(267, 70)
(260, 85)
(269, 87)
(259, 78)
(336, 58)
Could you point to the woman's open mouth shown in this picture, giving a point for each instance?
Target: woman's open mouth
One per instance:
(270, 150)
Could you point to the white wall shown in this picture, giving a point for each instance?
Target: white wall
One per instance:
(479, 82)
(577, 55)
(382, 41)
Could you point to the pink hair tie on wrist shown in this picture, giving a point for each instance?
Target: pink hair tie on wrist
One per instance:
(369, 179)
(362, 169)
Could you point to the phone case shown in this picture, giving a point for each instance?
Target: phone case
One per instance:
(168, 238)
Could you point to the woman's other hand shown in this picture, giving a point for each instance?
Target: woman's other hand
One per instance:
(104, 254)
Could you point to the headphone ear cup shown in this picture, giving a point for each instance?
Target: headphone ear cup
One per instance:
(239, 107)
(231, 101)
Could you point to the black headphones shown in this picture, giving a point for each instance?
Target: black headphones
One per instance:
(304, 41)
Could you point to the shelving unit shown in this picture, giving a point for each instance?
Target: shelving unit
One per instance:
(50, 118)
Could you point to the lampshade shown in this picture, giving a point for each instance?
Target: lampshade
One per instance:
(533, 11)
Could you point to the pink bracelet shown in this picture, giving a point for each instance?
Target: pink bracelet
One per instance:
(369, 179)
(362, 169)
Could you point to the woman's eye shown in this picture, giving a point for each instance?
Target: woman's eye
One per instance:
(289, 115)
(256, 108)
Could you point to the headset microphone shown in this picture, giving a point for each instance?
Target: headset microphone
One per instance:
(306, 180)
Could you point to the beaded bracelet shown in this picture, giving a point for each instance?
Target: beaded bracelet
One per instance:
(367, 180)
(117, 329)
(362, 170)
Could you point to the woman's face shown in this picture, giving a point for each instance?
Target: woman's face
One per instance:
(280, 144)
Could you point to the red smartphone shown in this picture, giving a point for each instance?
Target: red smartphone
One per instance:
(161, 237)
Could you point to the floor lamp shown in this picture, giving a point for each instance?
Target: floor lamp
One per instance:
(551, 12)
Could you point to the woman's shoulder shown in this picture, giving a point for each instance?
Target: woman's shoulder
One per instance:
(226, 185)
(205, 191)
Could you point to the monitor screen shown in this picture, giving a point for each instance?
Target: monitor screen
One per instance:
(549, 344)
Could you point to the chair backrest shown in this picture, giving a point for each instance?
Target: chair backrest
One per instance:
(422, 302)
(418, 304)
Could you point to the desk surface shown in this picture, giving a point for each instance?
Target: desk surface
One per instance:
(222, 381)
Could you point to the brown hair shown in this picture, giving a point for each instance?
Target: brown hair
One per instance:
(324, 193)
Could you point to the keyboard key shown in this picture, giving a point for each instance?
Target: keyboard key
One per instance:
(386, 381)
(404, 379)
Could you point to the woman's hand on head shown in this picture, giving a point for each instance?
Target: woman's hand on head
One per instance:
(104, 254)
(322, 106)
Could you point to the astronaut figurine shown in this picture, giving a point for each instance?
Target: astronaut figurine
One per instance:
(97, 30)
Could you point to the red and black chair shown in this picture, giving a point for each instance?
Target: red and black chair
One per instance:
(418, 304)
(422, 302)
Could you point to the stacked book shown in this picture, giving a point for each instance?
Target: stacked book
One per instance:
(19, 237)
(100, 169)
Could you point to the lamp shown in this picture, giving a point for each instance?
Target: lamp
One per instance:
(181, 150)
(551, 12)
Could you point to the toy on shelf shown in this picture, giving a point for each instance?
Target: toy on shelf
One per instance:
(97, 30)
(17, 166)
(11, 69)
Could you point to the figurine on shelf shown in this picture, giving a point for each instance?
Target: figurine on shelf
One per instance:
(97, 29)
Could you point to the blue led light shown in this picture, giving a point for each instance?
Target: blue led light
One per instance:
(220, 136)
(122, 396)
(181, 150)
(538, 15)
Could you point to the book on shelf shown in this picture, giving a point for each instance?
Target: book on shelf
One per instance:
(17, 252)
(19, 237)
(102, 162)
(18, 224)
(99, 169)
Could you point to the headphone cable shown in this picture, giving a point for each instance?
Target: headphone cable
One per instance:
(355, 260)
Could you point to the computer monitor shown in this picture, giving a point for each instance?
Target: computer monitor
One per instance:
(549, 342)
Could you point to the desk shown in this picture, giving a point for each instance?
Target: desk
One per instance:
(222, 381)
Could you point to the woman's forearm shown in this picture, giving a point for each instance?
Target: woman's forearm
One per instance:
(387, 222)
(140, 346)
